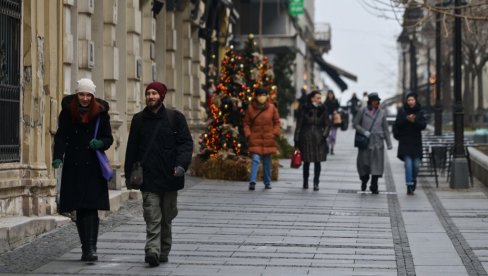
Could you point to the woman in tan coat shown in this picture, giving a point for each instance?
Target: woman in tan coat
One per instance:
(261, 128)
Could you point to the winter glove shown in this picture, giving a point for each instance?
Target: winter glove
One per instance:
(367, 133)
(179, 171)
(57, 163)
(95, 144)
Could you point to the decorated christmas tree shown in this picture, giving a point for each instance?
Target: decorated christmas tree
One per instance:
(226, 110)
(258, 72)
(240, 75)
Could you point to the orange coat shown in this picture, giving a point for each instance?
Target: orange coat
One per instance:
(261, 133)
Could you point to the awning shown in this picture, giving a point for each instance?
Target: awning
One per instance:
(334, 72)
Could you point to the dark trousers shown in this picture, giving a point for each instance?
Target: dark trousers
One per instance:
(374, 181)
(306, 172)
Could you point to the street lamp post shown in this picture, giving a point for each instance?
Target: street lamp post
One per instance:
(413, 63)
(403, 40)
(459, 177)
(438, 76)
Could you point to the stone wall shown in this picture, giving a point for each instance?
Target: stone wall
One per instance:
(119, 44)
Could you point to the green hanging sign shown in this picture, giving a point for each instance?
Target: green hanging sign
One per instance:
(296, 7)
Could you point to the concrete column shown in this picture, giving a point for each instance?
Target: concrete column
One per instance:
(133, 61)
(148, 44)
(121, 85)
(86, 46)
(198, 75)
(170, 60)
(187, 45)
(70, 53)
(30, 190)
(111, 65)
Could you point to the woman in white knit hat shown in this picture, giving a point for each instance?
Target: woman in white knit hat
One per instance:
(83, 187)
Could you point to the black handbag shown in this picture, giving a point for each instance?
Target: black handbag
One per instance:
(360, 140)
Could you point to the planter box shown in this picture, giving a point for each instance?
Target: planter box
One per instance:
(229, 169)
(479, 165)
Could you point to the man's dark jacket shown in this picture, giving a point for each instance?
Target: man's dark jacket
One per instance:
(172, 147)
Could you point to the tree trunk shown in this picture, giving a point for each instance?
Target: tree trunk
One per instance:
(480, 90)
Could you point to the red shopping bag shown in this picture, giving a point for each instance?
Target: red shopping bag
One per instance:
(296, 159)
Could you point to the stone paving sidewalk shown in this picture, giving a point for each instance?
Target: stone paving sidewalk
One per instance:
(224, 229)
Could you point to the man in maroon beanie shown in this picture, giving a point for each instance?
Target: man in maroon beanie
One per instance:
(160, 140)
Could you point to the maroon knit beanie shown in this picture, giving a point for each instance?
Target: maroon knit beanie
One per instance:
(160, 87)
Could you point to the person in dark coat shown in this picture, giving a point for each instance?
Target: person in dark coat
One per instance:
(83, 188)
(300, 103)
(354, 105)
(409, 123)
(332, 105)
(159, 138)
(311, 137)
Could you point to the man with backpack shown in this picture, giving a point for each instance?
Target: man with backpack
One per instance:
(159, 139)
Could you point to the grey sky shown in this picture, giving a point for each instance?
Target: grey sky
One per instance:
(362, 44)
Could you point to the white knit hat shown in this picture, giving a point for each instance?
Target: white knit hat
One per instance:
(85, 85)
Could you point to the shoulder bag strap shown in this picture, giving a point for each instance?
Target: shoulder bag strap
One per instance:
(96, 127)
(374, 120)
(254, 118)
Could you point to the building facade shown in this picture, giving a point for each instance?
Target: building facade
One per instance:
(122, 45)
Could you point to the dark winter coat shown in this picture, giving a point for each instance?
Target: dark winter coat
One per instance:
(331, 105)
(311, 133)
(172, 147)
(409, 134)
(262, 130)
(82, 183)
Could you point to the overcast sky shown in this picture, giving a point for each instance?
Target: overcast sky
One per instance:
(362, 44)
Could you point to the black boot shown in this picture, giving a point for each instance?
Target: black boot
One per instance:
(316, 176)
(414, 186)
(91, 237)
(306, 173)
(364, 182)
(316, 186)
(81, 233)
(374, 185)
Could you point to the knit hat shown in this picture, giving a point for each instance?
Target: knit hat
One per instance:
(412, 94)
(85, 85)
(374, 97)
(160, 87)
(261, 91)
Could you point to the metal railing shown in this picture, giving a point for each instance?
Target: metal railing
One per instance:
(10, 14)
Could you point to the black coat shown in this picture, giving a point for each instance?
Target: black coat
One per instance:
(172, 147)
(331, 105)
(311, 133)
(409, 134)
(82, 183)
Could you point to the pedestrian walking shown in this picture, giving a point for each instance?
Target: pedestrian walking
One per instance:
(300, 103)
(261, 128)
(159, 138)
(409, 123)
(371, 122)
(332, 105)
(364, 100)
(311, 137)
(354, 105)
(83, 187)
